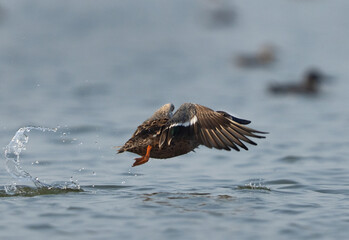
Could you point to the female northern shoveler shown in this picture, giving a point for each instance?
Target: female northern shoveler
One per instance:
(166, 135)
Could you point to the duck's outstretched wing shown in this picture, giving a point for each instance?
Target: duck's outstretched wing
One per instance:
(214, 129)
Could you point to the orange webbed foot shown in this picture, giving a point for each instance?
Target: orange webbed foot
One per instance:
(143, 159)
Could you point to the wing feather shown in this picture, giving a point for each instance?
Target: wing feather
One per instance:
(214, 129)
(222, 131)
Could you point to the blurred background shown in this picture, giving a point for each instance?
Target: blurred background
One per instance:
(97, 69)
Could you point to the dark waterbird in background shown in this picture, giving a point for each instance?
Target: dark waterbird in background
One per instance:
(166, 135)
(309, 85)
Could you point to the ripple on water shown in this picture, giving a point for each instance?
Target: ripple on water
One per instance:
(43, 226)
(281, 182)
(199, 202)
(286, 184)
(333, 191)
(26, 191)
(291, 159)
(287, 211)
(106, 187)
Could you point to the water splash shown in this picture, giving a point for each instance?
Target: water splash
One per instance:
(253, 185)
(13, 165)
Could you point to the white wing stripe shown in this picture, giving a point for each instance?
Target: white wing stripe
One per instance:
(192, 121)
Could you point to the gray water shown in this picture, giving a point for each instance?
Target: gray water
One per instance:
(92, 71)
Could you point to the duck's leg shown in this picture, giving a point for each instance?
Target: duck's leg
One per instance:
(143, 159)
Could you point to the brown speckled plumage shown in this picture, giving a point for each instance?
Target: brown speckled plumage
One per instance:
(164, 135)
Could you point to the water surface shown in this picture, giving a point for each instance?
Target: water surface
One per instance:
(94, 71)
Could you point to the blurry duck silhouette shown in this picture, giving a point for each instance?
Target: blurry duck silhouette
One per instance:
(263, 58)
(309, 85)
(167, 135)
(218, 13)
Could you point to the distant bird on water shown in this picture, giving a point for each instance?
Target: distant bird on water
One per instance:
(220, 13)
(263, 58)
(167, 135)
(310, 84)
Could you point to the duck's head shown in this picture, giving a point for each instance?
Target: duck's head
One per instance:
(313, 78)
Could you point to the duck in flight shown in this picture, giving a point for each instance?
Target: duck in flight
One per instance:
(167, 135)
